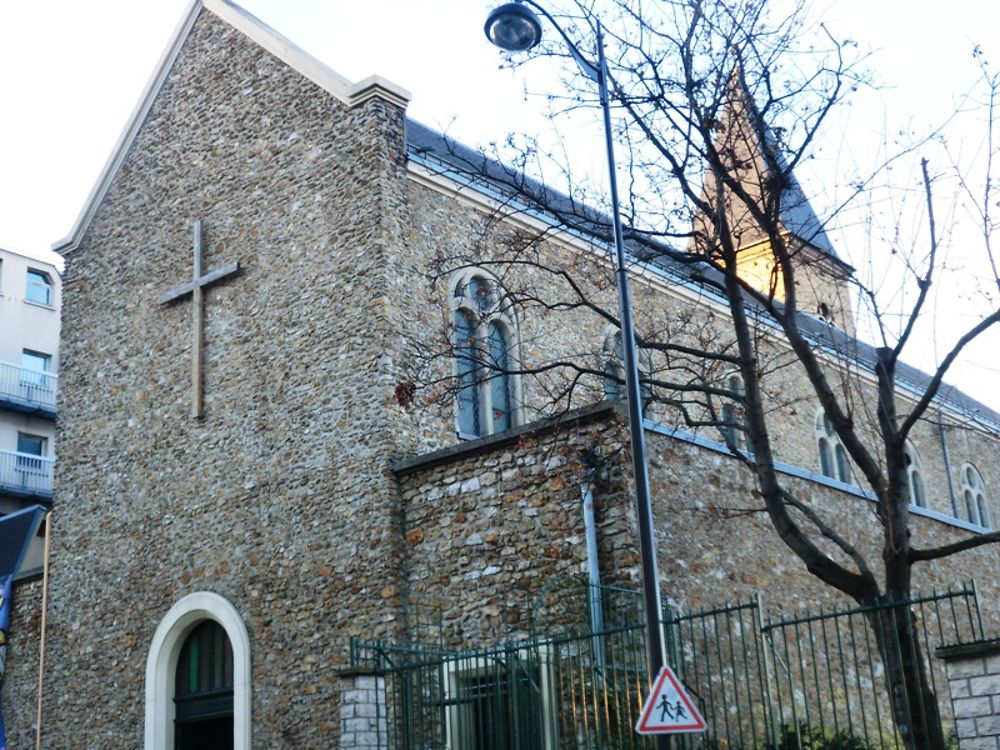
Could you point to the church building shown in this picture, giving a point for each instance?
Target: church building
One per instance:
(278, 462)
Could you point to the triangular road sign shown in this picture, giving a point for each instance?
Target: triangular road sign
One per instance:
(669, 709)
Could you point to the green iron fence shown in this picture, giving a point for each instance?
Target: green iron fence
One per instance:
(812, 682)
(829, 669)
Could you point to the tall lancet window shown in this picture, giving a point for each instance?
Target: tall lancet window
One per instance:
(734, 421)
(833, 461)
(485, 353)
(613, 367)
(914, 476)
(974, 493)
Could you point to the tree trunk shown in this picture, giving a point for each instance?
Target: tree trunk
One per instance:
(915, 710)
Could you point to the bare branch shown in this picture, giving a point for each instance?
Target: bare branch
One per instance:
(936, 553)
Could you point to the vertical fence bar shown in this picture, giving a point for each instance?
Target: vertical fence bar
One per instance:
(550, 693)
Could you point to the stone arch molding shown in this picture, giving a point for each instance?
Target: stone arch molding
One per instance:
(162, 664)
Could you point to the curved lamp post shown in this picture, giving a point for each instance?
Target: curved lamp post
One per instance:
(515, 28)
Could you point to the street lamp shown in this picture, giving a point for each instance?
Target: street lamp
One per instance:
(515, 28)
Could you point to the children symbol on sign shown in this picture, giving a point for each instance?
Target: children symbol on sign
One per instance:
(674, 711)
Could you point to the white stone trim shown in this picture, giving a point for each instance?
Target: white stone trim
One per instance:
(351, 94)
(162, 663)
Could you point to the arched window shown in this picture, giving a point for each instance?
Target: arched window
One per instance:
(485, 355)
(203, 689)
(833, 461)
(914, 476)
(613, 354)
(974, 492)
(734, 421)
(198, 677)
(614, 370)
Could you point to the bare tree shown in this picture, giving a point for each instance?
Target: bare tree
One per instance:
(718, 103)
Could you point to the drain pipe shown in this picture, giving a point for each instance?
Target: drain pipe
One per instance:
(947, 465)
(593, 568)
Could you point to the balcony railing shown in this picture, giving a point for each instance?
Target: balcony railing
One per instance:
(25, 474)
(26, 390)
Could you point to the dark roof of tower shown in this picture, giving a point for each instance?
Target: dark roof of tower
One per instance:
(798, 216)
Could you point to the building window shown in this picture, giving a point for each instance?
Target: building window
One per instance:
(614, 370)
(34, 365)
(974, 493)
(31, 451)
(833, 461)
(914, 476)
(198, 677)
(39, 287)
(485, 356)
(500, 703)
(734, 421)
(203, 689)
(613, 367)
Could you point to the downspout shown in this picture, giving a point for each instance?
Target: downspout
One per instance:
(593, 567)
(947, 465)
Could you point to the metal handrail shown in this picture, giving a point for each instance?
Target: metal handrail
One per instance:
(26, 472)
(28, 386)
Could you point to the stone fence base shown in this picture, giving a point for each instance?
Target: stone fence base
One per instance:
(974, 680)
(363, 723)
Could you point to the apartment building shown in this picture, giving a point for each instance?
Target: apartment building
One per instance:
(30, 296)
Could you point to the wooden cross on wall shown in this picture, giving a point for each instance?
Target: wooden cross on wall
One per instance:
(195, 288)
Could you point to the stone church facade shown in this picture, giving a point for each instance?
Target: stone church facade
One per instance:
(311, 499)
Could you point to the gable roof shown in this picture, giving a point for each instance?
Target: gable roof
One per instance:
(351, 94)
(425, 143)
(521, 193)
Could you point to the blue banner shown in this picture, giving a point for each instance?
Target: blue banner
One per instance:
(5, 592)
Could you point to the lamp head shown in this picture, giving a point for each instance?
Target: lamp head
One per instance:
(513, 27)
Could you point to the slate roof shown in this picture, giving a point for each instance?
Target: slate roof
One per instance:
(490, 176)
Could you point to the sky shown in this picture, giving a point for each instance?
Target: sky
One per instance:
(71, 73)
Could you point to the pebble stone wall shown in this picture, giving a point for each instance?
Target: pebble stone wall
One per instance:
(20, 686)
(974, 680)
(491, 524)
(283, 499)
(446, 234)
(280, 499)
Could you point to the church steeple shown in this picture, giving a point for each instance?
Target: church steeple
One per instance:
(752, 153)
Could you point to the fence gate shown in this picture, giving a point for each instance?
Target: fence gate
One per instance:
(813, 682)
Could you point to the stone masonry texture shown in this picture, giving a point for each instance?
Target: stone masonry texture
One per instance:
(313, 496)
(279, 499)
(974, 681)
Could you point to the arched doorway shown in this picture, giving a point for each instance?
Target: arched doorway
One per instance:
(203, 690)
(173, 634)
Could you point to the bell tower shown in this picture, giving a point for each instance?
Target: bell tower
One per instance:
(750, 152)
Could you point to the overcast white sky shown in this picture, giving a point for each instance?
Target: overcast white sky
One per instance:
(71, 72)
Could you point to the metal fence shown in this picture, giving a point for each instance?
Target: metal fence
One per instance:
(815, 681)
(25, 473)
